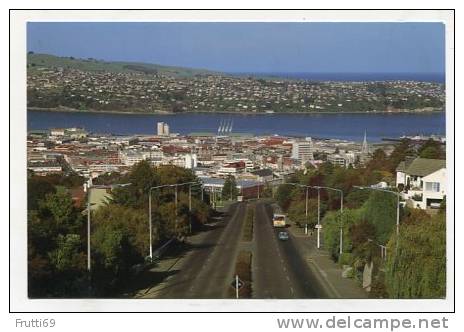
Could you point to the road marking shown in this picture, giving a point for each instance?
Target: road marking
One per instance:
(287, 278)
(291, 290)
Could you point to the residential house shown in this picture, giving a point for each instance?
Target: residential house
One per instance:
(423, 182)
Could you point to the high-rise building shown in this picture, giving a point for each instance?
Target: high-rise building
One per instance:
(162, 129)
(303, 150)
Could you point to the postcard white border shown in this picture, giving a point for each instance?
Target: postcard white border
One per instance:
(18, 215)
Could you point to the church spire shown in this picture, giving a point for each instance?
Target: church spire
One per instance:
(365, 147)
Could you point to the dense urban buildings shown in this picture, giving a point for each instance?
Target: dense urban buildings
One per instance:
(252, 160)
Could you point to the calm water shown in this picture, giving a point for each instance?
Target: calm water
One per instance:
(342, 126)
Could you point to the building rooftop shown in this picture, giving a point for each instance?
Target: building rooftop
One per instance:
(421, 166)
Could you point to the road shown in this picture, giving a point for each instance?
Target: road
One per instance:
(279, 270)
(207, 269)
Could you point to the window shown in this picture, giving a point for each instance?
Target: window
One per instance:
(432, 186)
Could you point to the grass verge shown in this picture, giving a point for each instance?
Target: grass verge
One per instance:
(247, 234)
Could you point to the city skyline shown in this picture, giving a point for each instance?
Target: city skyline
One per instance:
(252, 47)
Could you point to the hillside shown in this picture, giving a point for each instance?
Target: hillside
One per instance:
(35, 61)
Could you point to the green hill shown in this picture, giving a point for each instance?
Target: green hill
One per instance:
(35, 61)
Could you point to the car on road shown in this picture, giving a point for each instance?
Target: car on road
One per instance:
(283, 236)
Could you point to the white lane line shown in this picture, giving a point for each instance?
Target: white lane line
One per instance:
(287, 277)
(291, 290)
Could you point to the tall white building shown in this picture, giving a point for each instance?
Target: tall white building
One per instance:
(191, 161)
(303, 150)
(162, 129)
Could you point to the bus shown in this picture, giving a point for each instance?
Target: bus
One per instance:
(279, 220)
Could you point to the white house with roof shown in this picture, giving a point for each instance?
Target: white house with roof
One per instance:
(423, 182)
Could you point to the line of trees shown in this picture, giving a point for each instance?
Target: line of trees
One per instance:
(57, 233)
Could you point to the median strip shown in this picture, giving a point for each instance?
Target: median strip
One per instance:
(247, 235)
(243, 271)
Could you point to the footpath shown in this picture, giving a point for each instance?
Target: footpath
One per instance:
(320, 263)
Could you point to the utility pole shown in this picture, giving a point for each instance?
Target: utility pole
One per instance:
(190, 209)
(397, 224)
(88, 228)
(318, 218)
(175, 208)
(341, 223)
(150, 224)
(306, 211)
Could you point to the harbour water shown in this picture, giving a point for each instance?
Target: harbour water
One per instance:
(347, 126)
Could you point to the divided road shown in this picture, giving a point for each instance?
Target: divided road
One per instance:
(279, 270)
(208, 268)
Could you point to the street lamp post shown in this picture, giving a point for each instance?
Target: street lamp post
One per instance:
(192, 184)
(175, 198)
(88, 229)
(341, 213)
(306, 198)
(150, 226)
(318, 218)
(397, 208)
(306, 211)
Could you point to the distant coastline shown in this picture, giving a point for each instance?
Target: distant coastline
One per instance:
(73, 110)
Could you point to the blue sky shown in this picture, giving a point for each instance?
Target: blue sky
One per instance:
(253, 47)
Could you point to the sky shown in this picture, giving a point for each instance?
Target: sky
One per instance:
(252, 47)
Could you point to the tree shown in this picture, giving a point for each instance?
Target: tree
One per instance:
(380, 211)
(432, 149)
(356, 198)
(332, 222)
(361, 233)
(119, 241)
(56, 259)
(401, 151)
(134, 223)
(297, 212)
(424, 243)
(59, 210)
(230, 190)
(37, 189)
(68, 254)
(141, 178)
(283, 196)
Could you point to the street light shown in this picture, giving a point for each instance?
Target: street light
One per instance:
(149, 216)
(341, 213)
(306, 200)
(397, 208)
(89, 187)
(193, 184)
(175, 199)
